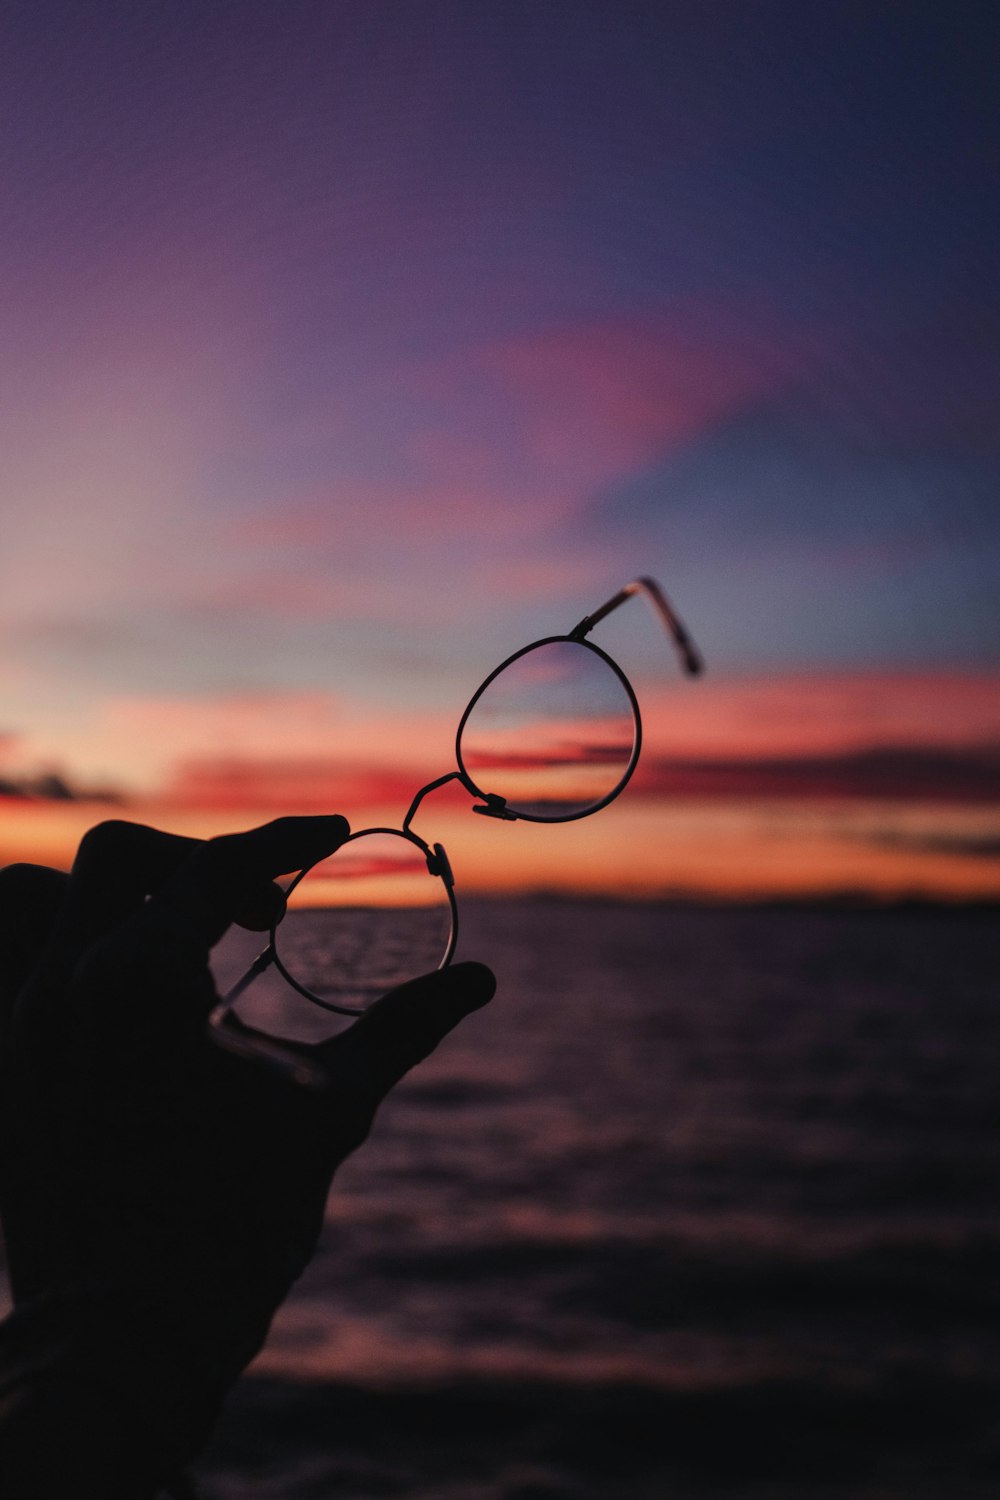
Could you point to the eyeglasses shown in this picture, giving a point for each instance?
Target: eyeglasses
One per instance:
(552, 735)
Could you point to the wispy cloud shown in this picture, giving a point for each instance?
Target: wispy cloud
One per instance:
(594, 399)
(818, 714)
(142, 739)
(903, 773)
(297, 784)
(812, 538)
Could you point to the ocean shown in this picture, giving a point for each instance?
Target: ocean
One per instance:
(704, 1204)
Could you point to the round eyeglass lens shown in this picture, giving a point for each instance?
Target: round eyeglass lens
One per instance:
(554, 732)
(363, 921)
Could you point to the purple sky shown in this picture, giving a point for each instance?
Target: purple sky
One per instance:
(348, 346)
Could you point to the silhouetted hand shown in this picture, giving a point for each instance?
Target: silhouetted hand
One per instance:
(159, 1194)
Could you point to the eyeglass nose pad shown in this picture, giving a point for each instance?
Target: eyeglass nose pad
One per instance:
(439, 864)
(496, 807)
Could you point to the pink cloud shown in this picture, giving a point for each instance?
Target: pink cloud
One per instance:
(310, 590)
(160, 742)
(530, 578)
(887, 735)
(612, 753)
(894, 774)
(296, 593)
(535, 424)
(794, 715)
(351, 863)
(349, 512)
(377, 551)
(315, 748)
(293, 784)
(594, 400)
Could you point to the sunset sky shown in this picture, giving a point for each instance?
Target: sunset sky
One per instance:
(347, 347)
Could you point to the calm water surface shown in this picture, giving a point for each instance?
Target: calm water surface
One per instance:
(706, 1203)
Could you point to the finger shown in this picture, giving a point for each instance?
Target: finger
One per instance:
(405, 1026)
(31, 897)
(117, 865)
(146, 983)
(225, 874)
(263, 910)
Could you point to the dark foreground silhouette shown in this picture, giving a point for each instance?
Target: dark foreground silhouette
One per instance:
(160, 1195)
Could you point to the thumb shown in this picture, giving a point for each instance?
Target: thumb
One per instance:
(405, 1026)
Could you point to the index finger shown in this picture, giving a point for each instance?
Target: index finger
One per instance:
(159, 957)
(209, 889)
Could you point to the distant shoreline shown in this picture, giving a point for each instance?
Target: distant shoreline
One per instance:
(847, 901)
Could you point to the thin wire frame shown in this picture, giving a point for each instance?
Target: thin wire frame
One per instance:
(237, 1040)
(585, 812)
(437, 866)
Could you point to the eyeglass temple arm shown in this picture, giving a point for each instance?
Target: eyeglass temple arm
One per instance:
(689, 654)
(229, 1033)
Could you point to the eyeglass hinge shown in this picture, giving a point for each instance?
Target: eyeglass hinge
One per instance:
(584, 628)
(496, 807)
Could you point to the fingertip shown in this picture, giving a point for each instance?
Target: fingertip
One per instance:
(338, 830)
(406, 1025)
(263, 909)
(293, 843)
(472, 982)
(229, 875)
(23, 886)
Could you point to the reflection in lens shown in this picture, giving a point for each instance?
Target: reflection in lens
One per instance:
(365, 920)
(553, 733)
